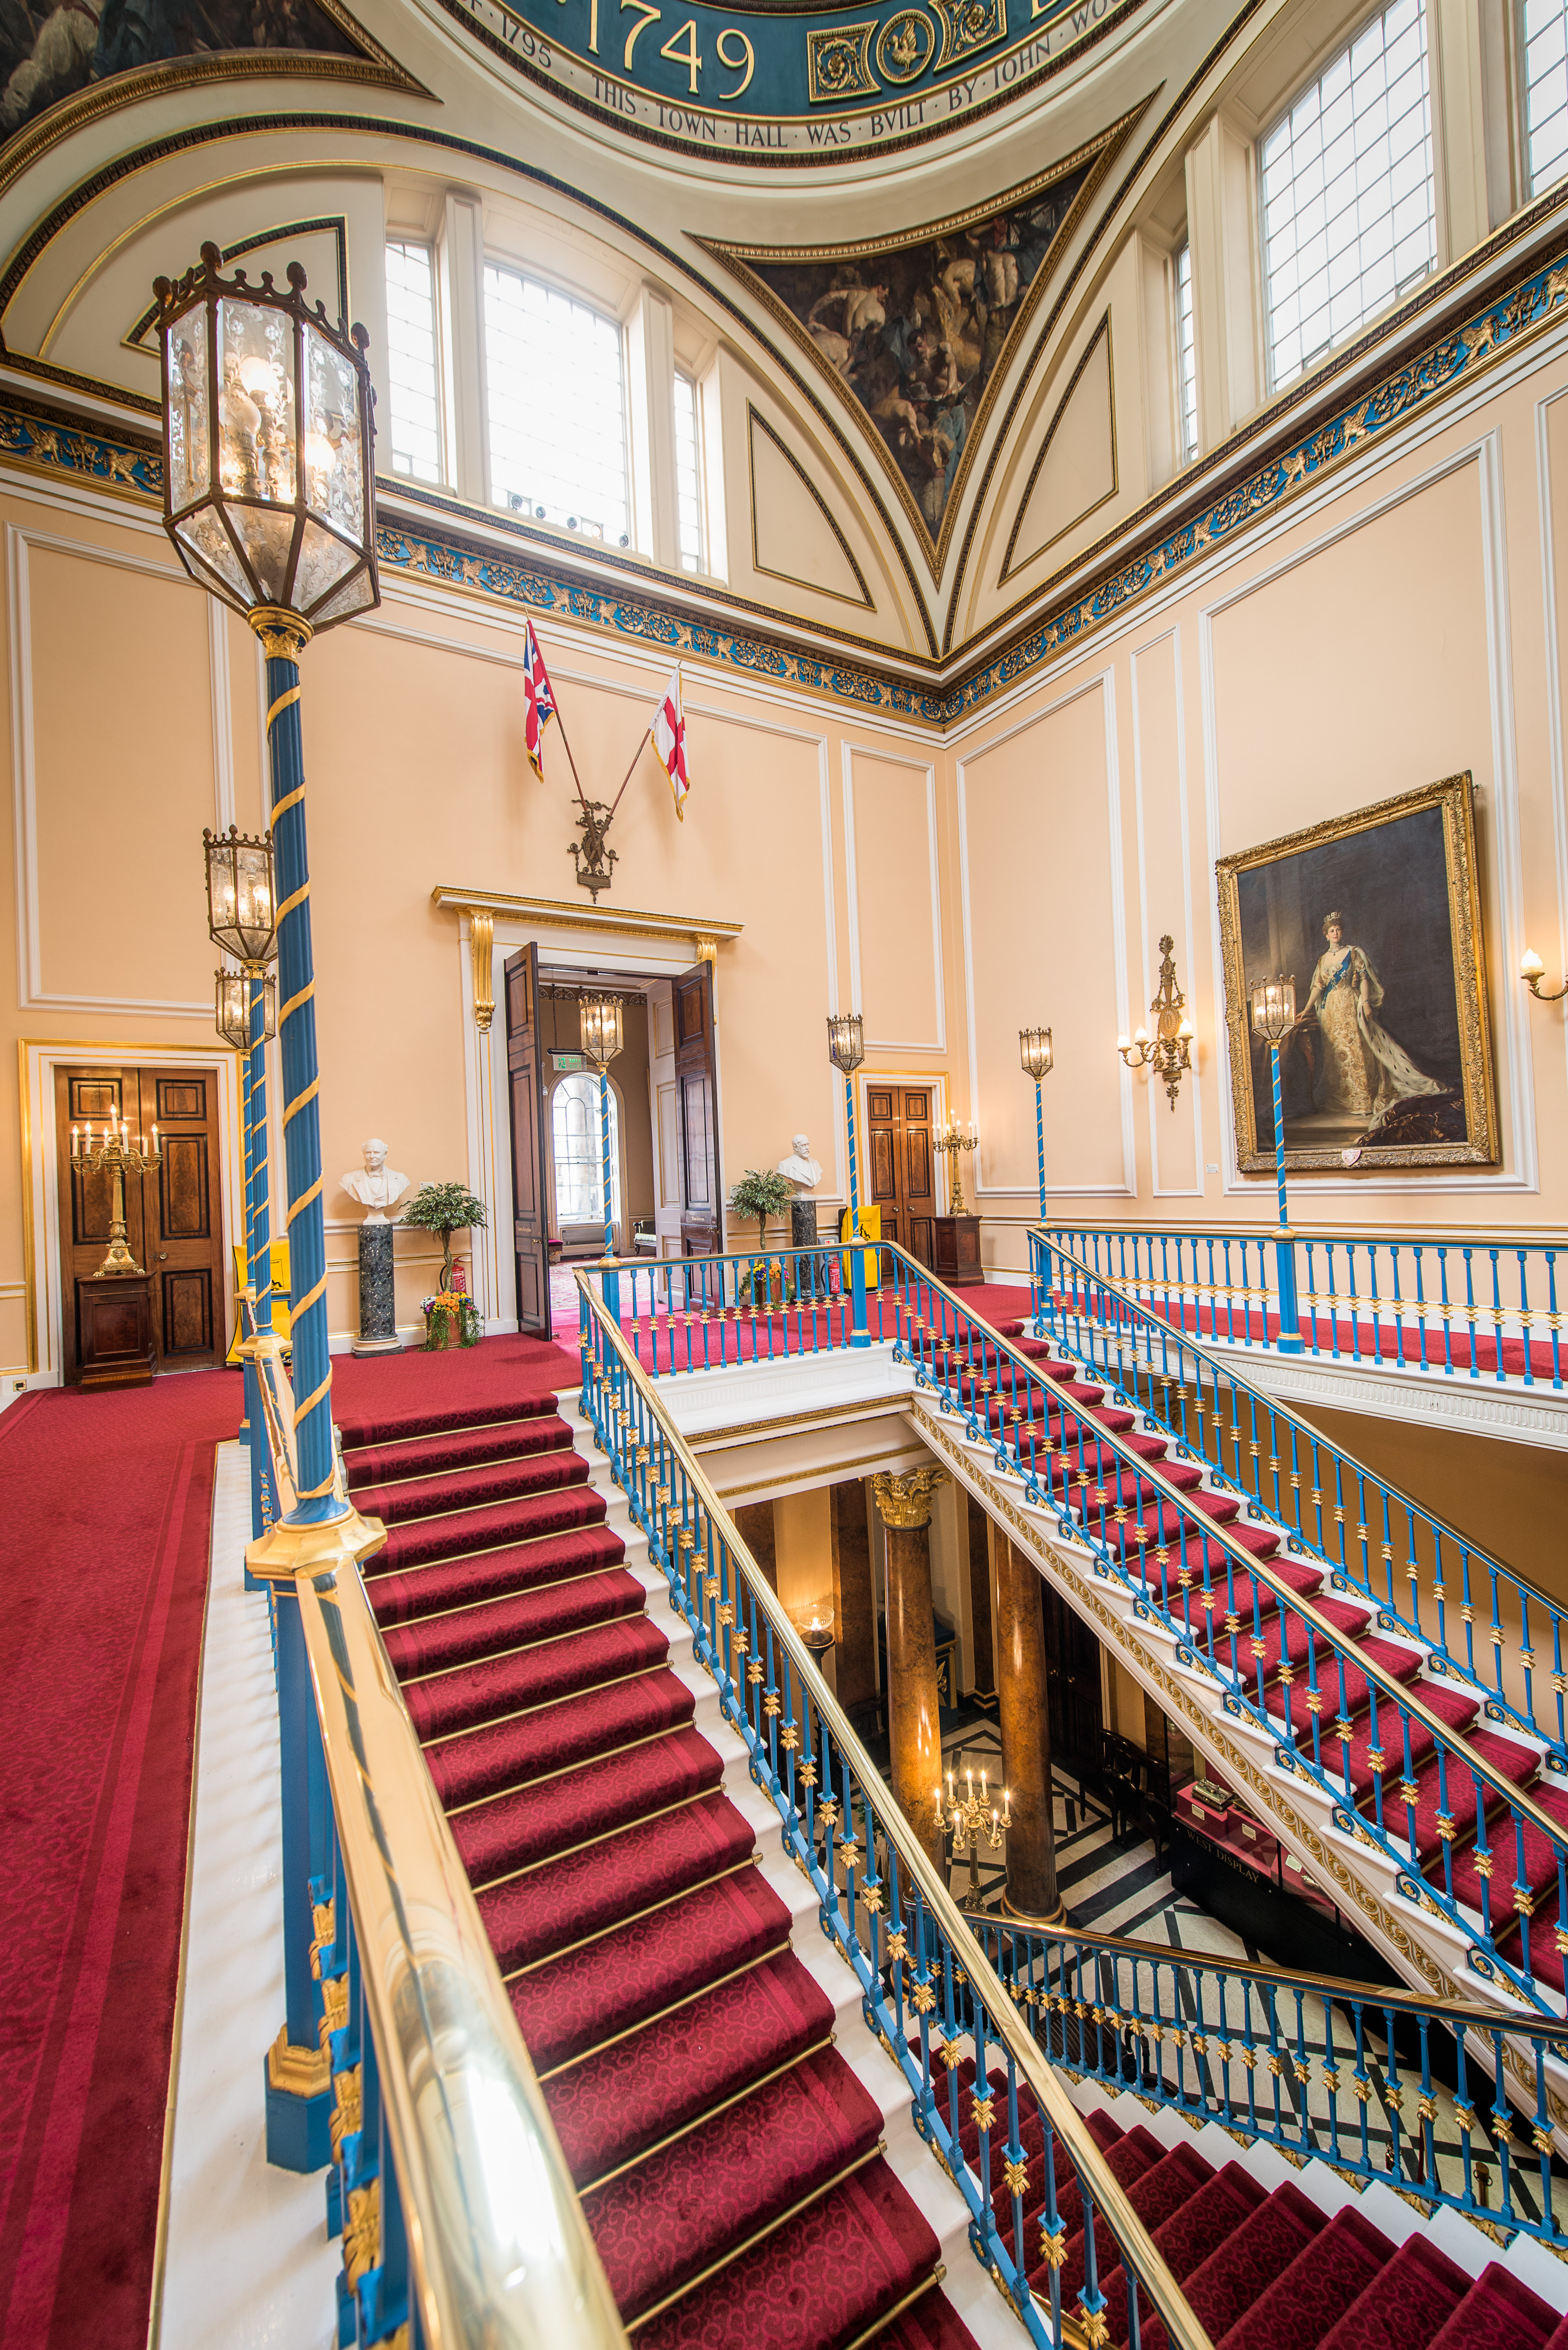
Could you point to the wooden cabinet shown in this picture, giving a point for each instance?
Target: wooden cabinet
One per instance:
(955, 1251)
(114, 1332)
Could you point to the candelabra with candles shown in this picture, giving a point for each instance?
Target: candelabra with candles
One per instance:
(950, 1140)
(1170, 1050)
(117, 1156)
(969, 1817)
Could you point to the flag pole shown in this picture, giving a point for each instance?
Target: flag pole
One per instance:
(646, 733)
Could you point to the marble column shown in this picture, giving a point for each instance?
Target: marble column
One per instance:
(377, 1300)
(1025, 1741)
(914, 1731)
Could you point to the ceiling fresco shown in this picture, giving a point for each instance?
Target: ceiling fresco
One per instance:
(786, 83)
(913, 331)
(51, 49)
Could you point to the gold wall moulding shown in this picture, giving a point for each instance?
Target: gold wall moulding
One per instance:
(702, 932)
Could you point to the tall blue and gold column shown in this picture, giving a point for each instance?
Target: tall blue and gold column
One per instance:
(258, 1247)
(283, 636)
(321, 1533)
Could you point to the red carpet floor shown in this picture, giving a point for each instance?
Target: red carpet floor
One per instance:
(727, 2157)
(106, 1501)
(106, 1506)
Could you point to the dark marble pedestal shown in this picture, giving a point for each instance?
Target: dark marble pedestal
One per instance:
(378, 1302)
(803, 1223)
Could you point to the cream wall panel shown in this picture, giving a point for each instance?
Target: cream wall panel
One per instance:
(1294, 743)
(119, 784)
(1164, 905)
(793, 537)
(1078, 467)
(894, 902)
(1044, 937)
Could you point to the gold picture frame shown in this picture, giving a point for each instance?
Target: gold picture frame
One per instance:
(1376, 916)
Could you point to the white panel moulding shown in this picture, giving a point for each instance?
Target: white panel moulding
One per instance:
(895, 1043)
(31, 993)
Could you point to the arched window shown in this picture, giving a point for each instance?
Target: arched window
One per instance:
(579, 1152)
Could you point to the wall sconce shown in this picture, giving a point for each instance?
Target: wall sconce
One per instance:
(1170, 1050)
(1532, 969)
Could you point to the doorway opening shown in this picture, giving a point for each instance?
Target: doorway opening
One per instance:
(664, 1195)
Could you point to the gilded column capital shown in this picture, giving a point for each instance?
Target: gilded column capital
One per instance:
(907, 1501)
(284, 635)
(482, 941)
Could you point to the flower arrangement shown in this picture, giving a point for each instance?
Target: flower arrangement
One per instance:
(451, 1316)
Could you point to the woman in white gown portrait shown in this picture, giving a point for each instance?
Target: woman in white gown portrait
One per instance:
(1363, 1073)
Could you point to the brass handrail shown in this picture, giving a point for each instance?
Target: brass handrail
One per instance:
(1223, 1368)
(1138, 2246)
(500, 2253)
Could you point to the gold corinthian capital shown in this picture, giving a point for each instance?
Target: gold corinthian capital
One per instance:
(907, 1501)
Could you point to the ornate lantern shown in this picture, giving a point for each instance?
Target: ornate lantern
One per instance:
(845, 1041)
(234, 1008)
(267, 446)
(1274, 1008)
(601, 1020)
(242, 902)
(1035, 1051)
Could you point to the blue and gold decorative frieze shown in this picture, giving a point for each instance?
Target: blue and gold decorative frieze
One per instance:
(53, 444)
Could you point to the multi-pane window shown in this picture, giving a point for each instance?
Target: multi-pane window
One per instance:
(557, 407)
(689, 476)
(414, 380)
(1544, 45)
(1349, 214)
(1186, 356)
(579, 1152)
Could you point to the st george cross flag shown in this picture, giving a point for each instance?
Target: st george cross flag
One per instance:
(538, 700)
(669, 731)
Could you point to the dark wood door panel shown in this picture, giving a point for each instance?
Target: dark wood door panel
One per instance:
(173, 1216)
(530, 1130)
(900, 1164)
(697, 1105)
(884, 1168)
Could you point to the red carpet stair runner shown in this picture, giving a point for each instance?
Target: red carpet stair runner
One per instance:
(729, 2155)
(1271, 2271)
(1455, 1702)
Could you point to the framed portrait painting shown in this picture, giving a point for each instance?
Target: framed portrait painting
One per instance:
(1376, 916)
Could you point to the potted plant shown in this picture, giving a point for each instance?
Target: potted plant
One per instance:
(763, 1192)
(448, 1208)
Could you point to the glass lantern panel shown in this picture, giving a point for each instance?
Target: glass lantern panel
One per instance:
(268, 541)
(189, 411)
(323, 562)
(207, 539)
(334, 444)
(257, 425)
(233, 1011)
(359, 595)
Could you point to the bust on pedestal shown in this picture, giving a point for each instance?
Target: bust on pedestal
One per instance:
(806, 1174)
(380, 1187)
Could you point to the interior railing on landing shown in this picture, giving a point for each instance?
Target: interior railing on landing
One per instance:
(1273, 1656)
(459, 2219)
(1479, 1306)
(927, 1989)
(1368, 2078)
(1484, 1622)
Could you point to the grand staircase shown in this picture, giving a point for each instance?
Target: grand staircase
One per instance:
(1071, 1460)
(746, 2179)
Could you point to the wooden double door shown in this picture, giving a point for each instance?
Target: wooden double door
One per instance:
(900, 1163)
(1072, 1691)
(174, 1217)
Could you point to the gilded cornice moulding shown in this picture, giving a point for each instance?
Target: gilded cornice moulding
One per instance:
(35, 439)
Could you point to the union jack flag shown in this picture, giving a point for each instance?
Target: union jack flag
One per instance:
(538, 700)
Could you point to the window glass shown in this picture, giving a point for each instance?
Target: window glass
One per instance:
(1349, 215)
(579, 1152)
(557, 407)
(1544, 43)
(1186, 355)
(689, 476)
(413, 377)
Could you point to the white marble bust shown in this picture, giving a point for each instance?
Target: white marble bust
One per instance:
(801, 1169)
(380, 1187)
